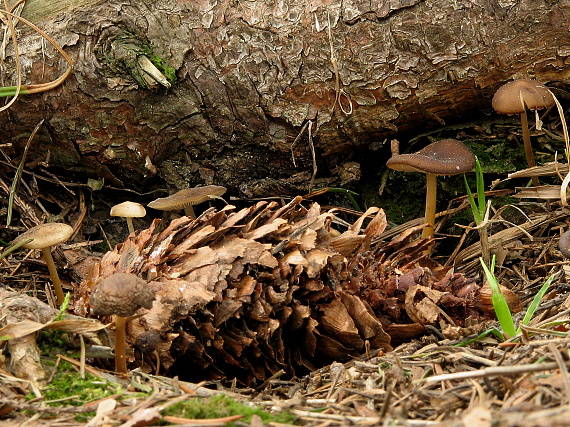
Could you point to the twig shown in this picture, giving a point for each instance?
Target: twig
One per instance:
(10, 25)
(349, 418)
(312, 155)
(18, 174)
(82, 357)
(297, 138)
(42, 87)
(563, 370)
(492, 372)
(334, 63)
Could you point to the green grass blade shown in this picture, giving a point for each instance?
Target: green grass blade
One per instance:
(14, 247)
(474, 209)
(63, 308)
(502, 310)
(11, 91)
(536, 302)
(492, 331)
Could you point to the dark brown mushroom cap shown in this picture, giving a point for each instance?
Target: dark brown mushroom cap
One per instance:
(186, 197)
(520, 95)
(444, 157)
(121, 294)
(45, 235)
(564, 244)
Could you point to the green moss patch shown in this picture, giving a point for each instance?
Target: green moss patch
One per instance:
(168, 71)
(222, 406)
(499, 157)
(75, 390)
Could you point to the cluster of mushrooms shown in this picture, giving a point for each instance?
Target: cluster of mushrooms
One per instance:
(120, 294)
(123, 294)
(451, 157)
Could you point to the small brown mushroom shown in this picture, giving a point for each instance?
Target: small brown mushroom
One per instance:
(186, 199)
(44, 236)
(129, 210)
(515, 98)
(120, 294)
(445, 157)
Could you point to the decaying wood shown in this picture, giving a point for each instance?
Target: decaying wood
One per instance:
(21, 317)
(250, 75)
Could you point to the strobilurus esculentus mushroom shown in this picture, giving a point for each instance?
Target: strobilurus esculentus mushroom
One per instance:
(129, 210)
(187, 198)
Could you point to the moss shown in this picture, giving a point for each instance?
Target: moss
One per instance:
(121, 57)
(222, 406)
(399, 206)
(67, 388)
(500, 157)
(168, 71)
(76, 390)
(52, 342)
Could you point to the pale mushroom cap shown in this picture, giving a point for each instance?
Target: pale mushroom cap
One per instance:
(45, 235)
(186, 197)
(128, 210)
(121, 294)
(521, 95)
(445, 157)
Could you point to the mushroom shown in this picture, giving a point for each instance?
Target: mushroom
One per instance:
(515, 98)
(44, 236)
(121, 295)
(445, 157)
(187, 198)
(129, 210)
(564, 244)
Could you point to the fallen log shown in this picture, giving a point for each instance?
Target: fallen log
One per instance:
(240, 81)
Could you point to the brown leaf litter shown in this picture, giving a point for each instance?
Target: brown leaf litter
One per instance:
(22, 317)
(437, 379)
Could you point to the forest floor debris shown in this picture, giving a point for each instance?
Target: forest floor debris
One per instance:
(448, 375)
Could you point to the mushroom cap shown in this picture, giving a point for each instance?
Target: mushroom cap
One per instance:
(45, 235)
(564, 244)
(444, 157)
(128, 210)
(186, 197)
(521, 95)
(121, 294)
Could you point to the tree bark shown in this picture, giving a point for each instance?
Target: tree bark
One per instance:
(246, 76)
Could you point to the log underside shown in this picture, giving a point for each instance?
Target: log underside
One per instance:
(251, 75)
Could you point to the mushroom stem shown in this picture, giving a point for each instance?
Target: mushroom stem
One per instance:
(58, 288)
(189, 211)
(120, 344)
(431, 193)
(529, 154)
(130, 225)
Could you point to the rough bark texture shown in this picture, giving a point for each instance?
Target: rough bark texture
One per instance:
(250, 74)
